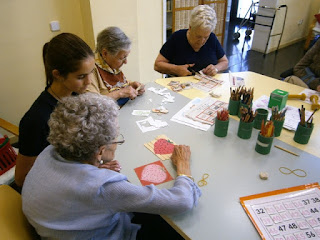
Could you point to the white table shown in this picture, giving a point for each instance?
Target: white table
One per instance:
(231, 162)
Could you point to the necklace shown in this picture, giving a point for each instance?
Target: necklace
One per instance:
(54, 94)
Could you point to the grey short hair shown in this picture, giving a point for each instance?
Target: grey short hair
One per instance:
(203, 16)
(81, 124)
(113, 39)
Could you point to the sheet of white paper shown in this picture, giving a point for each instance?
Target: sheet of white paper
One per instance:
(235, 81)
(143, 113)
(206, 110)
(163, 92)
(206, 85)
(149, 124)
(292, 118)
(179, 117)
(287, 214)
(309, 93)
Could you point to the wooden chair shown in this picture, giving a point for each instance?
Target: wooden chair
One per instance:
(9, 127)
(13, 224)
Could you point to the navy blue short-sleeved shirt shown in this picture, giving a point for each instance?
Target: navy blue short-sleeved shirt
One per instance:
(178, 51)
(33, 127)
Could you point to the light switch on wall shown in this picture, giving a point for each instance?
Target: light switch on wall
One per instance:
(55, 26)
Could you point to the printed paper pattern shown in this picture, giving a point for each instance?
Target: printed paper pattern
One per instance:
(153, 173)
(286, 214)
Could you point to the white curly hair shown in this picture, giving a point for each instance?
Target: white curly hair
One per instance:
(203, 16)
(81, 124)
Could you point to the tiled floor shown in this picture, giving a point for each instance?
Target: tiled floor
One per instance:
(241, 58)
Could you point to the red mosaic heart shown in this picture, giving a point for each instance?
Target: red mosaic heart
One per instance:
(163, 146)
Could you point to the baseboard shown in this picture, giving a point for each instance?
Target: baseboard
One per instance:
(281, 46)
(287, 44)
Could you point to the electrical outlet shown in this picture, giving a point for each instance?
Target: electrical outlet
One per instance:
(55, 26)
(300, 21)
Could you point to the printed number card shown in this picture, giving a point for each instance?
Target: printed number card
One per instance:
(286, 214)
(161, 146)
(153, 173)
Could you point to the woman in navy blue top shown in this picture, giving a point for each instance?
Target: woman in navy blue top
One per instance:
(69, 63)
(196, 48)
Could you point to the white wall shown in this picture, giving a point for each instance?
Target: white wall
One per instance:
(298, 12)
(294, 31)
(150, 14)
(141, 20)
(24, 30)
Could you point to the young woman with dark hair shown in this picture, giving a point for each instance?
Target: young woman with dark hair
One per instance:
(69, 63)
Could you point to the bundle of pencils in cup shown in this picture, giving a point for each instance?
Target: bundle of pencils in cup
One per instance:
(247, 96)
(246, 114)
(235, 94)
(223, 115)
(278, 115)
(303, 121)
(267, 129)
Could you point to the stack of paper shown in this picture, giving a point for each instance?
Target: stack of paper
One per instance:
(199, 113)
(206, 110)
(180, 117)
(292, 118)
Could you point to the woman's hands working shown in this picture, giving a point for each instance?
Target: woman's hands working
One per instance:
(113, 165)
(181, 159)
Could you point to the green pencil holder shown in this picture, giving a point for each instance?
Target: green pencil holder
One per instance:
(263, 144)
(302, 134)
(262, 114)
(221, 128)
(233, 107)
(244, 106)
(245, 129)
(277, 127)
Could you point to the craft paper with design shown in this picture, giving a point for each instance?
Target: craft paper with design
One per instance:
(161, 146)
(153, 173)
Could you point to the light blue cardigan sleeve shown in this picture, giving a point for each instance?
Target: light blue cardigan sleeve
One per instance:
(125, 197)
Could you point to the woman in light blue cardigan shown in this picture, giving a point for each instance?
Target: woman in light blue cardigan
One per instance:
(67, 196)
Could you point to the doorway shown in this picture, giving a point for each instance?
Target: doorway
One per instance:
(241, 9)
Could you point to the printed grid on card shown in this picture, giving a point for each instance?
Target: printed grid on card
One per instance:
(206, 110)
(287, 216)
(205, 85)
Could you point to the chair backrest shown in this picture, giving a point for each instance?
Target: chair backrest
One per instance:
(9, 127)
(13, 223)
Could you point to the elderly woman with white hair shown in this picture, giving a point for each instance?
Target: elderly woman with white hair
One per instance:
(67, 196)
(113, 48)
(196, 48)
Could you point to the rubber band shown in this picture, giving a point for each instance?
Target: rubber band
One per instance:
(289, 171)
(203, 181)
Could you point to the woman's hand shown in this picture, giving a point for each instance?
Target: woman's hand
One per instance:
(181, 159)
(129, 92)
(182, 70)
(210, 70)
(113, 165)
(138, 87)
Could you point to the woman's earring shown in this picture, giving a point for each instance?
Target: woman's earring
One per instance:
(101, 162)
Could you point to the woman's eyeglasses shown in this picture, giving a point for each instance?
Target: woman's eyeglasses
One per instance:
(119, 140)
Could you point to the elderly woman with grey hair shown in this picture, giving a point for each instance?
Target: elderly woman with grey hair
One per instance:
(113, 48)
(194, 49)
(67, 196)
